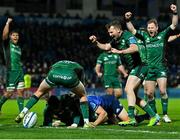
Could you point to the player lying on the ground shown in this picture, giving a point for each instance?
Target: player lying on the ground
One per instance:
(65, 109)
(106, 106)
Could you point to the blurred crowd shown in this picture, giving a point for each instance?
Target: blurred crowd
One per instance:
(46, 40)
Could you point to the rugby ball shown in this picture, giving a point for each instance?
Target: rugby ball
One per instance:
(30, 120)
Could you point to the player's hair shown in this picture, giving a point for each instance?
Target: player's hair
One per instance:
(14, 31)
(116, 23)
(153, 21)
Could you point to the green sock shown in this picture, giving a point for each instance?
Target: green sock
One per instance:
(85, 111)
(149, 110)
(164, 103)
(76, 120)
(20, 102)
(2, 101)
(131, 111)
(32, 101)
(152, 104)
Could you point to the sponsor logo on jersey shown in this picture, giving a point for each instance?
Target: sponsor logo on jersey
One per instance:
(147, 40)
(62, 77)
(117, 110)
(163, 73)
(157, 45)
(132, 40)
(105, 59)
(93, 105)
(159, 37)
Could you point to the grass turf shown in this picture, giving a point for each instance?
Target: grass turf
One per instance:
(11, 130)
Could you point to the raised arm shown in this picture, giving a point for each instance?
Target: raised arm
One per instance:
(6, 29)
(174, 17)
(173, 37)
(130, 26)
(106, 46)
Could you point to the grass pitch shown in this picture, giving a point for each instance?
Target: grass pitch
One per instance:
(11, 130)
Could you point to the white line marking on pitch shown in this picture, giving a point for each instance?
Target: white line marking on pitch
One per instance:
(140, 131)
(110, 129)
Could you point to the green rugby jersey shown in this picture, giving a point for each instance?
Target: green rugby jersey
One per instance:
(13, 56)
(142, 51)
(126, 39)
(110, 63)
(155, 47)
(66, 64)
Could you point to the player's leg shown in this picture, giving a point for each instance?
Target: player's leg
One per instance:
(118, 92)
(20, 95)
(44, 87)
(149, 88)
(134, 80)
(12, 77)
(117, 87)
(123, 115)
(132, 83)
(154, 118)
(107, 81)
(162, 83)
(5, 97)
(20, 91)
(119, 110)
(110, 91)
(20, 99)
(80, 91)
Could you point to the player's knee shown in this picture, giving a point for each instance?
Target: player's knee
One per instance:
(118, 94)
(38, 93)
(128, 90)
(162, 91)
(20, 92)
(164, 95)
(109, 91)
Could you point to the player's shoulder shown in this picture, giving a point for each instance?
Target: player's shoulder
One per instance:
(125, 32)
(126, 35)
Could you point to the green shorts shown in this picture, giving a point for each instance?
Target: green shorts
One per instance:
(111, 81)
(65, 77)
(156, 72)
(15, 80)
(140, 71)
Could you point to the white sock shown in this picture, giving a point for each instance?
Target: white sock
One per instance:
(86, 120)
(25, 110)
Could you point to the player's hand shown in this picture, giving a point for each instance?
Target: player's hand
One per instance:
(93, 124)
(178, 35)
(99, 74)
(74, 125)
(113, 50)
(93, 38)
(125, 75)
(9, 20)
(128, 15)
(56, 123)
(173, 8)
